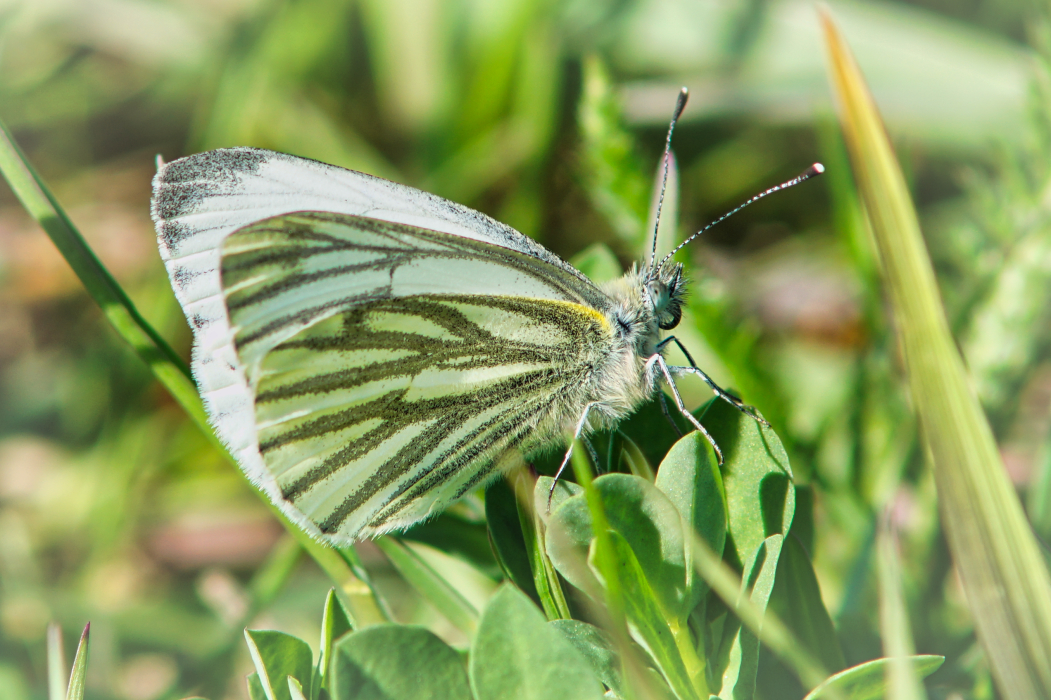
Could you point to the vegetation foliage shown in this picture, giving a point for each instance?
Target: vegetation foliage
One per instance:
(812, 563)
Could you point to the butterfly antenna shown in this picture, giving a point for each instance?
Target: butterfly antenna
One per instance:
(680, 104)
(813, 171)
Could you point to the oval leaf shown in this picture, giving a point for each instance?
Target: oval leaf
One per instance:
(756, 477)
(276, 656)
(334, 624)
(596, 647)
(396, 662)
(868, 681)
(648, 522)
(690, 477)
(507, 537)
(516, 654)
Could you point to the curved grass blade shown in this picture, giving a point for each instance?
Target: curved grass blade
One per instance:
(430, 584)
(78, 676)
(765, 625)
(1004, 576)
(41, 204)
(163, 362)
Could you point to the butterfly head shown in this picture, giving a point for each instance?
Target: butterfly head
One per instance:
(666, 288)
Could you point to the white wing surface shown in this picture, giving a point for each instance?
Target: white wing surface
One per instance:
(338, 263)
(393, 368)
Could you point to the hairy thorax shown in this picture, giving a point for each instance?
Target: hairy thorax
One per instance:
(622, 379)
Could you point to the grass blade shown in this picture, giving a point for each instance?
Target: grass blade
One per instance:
(894, 625)
(770, 630)
(56, 663)
(78, 676)
(545, 578)
(99, 283)
(164, 362)
(1003, 573)
(431, 585)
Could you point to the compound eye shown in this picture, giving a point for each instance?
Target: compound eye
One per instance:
(670, 317)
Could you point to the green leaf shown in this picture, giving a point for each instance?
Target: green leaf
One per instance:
(506, 536)
(1000, 563)
(596, 647)
(295, 689)
(653, 585)
(796, 599)
(650, 525)
(757, 478)
(516, 654)
(430, 584)
(396, 662)
(667, 641)
(255, 687)
(78, 676)
(276, 656)
(334, 624)
(868, 681)
(690, 477)
(742, 659)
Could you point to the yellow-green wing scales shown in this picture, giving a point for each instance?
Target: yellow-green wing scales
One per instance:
(377, 404)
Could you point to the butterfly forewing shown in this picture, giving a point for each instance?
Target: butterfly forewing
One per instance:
(393, 368)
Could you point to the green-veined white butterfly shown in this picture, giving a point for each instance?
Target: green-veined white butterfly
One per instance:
(369, 352)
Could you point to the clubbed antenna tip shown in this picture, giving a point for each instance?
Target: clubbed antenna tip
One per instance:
(680, 105)
(812, 171)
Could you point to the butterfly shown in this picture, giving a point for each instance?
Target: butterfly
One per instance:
(369, 352)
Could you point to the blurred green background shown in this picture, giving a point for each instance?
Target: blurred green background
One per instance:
(550, 116)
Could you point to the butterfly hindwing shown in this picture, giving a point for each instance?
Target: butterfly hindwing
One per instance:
(409, 402)
(387, 368)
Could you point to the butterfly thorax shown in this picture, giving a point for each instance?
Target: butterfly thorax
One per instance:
(642, 304)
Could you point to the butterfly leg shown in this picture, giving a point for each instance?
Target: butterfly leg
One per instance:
(666, 373)
(593, 452)
(569, 453)
(667, 413)
(719, 391)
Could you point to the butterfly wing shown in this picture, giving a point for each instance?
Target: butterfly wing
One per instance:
(367, 373)
(200, 199)
(393, 368)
